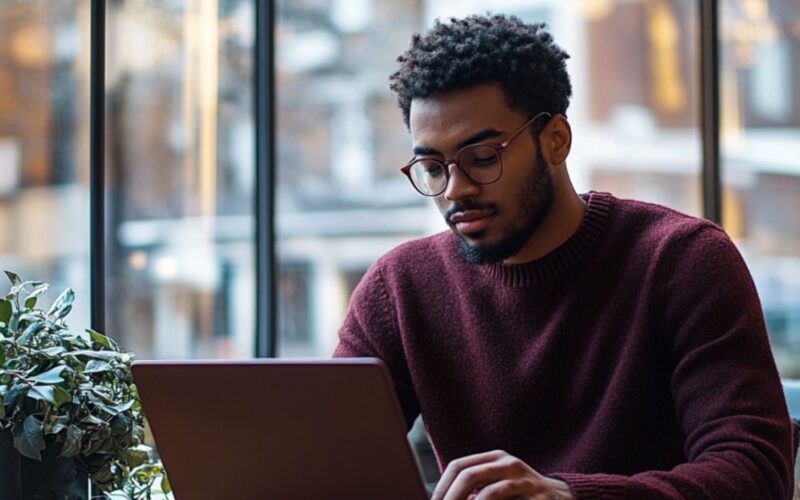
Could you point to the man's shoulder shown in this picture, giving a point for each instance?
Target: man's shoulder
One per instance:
(419, 252)
(414, 265)
(660, 224)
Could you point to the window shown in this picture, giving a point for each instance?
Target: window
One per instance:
(180, 173)
(44, 174)
(760, 150)
(340, 201)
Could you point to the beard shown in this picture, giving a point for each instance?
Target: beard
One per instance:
(534, 200)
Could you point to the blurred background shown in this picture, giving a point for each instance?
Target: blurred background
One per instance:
(180, 138)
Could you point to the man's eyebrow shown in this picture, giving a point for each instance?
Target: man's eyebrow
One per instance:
(473, 139)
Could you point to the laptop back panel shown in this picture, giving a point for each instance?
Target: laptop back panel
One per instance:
(279, 429)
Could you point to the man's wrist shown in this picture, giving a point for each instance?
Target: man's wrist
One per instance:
(561, 490)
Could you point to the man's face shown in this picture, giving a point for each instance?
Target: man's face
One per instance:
(493, 221)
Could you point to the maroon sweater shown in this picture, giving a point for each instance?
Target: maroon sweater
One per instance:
(631, 362)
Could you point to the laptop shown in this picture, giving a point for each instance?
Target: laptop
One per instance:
(283, 429)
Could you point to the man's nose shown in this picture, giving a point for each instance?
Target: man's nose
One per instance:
(459, 185)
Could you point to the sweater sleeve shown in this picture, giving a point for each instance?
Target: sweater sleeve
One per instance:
(725, 386)
(370, 330)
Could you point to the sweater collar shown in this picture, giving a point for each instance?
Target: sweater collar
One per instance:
(565, 257)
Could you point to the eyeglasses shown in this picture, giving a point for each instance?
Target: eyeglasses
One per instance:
(480, 163)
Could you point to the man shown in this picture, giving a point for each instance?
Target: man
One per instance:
(560, 345)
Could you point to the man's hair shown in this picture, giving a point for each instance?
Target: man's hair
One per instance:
(522, 58)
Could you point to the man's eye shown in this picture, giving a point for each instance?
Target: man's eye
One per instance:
(433, 170)
(480, 156)
(484, 159)
(430, 168)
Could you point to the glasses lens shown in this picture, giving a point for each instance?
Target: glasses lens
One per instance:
(481, 163)
(428, 176)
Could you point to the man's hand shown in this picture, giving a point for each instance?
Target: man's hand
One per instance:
(497, 475)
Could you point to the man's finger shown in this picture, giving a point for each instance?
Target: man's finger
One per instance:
(508, 488)
(455, 467)
(476, 478)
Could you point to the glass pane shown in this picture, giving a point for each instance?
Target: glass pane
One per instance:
(180, 130)
(760, 42)
(341, 200)
(44, 153)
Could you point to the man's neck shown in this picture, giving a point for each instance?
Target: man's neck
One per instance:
(560, 223)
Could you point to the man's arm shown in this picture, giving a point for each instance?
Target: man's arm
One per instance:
(726, 388)
(370, 330)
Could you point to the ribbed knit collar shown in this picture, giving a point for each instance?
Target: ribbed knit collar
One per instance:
(565, 257)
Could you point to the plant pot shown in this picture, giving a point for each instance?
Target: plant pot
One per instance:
(54, 478)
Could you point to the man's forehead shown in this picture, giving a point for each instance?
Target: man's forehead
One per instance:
(485, 96)
(448, 118)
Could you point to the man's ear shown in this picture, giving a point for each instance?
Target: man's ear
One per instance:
(557, 138)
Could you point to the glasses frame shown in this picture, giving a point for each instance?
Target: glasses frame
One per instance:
(498, 148)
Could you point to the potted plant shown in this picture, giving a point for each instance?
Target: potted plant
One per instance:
(65, 397)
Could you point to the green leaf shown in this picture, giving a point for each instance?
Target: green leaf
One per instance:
(30, 302)
(123, 407)
(165, 486)
(15, 280)
(18, 287)
(96, 441)
(13, 363)
(5, 310)
(29, 332)
(17, 390)
(120, 425)
(42, 393)
(63, 312)
(102, 391)
(135, 457)
(58, 424)
(51, 376)
(107, 446)
(103, 475)
(99, 338)
(30, 439)
(61, 396)
(39, 290)
(104, 407)
(62, 304)
(107, 355)
(96, 366)
(92, 420)
(33, 315)
(2, 356)
(72, 441)
(53, 352)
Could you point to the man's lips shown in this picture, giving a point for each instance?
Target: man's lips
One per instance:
(472, 221)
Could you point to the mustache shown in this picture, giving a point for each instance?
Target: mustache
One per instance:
(465, 205)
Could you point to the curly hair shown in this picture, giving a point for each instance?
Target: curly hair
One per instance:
(522, 58)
